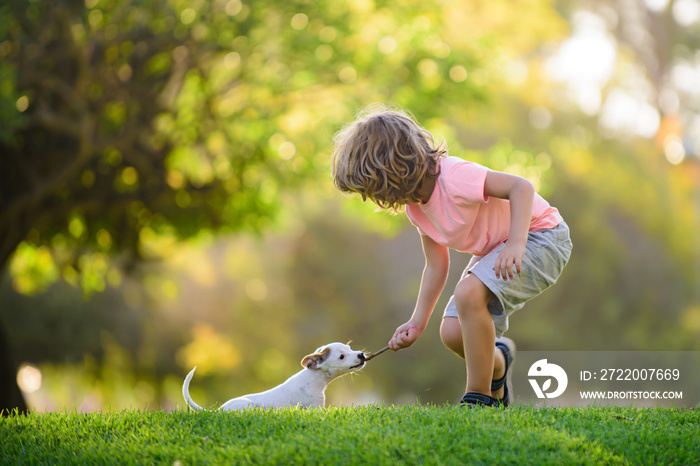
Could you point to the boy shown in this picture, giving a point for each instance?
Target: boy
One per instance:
(520, 244)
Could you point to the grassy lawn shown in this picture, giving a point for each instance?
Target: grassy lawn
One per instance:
(363, 435)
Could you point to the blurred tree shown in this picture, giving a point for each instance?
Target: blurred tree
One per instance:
(128, 125)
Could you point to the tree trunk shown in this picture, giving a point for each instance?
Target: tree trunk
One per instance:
(11, 397)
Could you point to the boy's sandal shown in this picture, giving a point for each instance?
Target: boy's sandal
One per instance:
(473, 400)
(507, 347)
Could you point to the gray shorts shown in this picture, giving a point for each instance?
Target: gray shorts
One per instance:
(546, 254)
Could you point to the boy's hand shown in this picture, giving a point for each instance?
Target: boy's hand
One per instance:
(404, 336)
(511, 254)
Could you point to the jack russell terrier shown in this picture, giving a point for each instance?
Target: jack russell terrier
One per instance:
(305, 389)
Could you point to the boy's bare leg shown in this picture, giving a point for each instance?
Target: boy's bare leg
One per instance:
(451, 334)
(473, 335)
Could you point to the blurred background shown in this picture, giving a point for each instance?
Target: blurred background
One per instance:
(166, 201)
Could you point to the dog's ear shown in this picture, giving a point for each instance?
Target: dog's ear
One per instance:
(312, 361)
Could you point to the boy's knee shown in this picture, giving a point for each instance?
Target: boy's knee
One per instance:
(451, 335)
(471, 296)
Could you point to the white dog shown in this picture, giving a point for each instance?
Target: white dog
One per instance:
(305, 389)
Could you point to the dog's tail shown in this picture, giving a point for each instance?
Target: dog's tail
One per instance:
(186, 392)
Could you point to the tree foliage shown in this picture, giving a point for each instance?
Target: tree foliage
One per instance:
(135, 120)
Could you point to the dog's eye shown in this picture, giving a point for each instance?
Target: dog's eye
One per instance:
(342, 356)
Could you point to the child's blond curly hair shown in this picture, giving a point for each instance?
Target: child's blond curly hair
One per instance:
(385, 155)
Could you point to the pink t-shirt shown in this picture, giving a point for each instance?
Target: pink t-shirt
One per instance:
(460, 216)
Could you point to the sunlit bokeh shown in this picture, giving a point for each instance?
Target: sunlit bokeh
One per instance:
(585, 61)
(29, 378)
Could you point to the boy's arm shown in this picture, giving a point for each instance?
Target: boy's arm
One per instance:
(521, 195)
(437, 265)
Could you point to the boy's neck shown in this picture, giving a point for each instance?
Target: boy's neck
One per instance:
(425, 192)
(427, 186)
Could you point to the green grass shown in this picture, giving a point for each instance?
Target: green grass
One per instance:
(363, 435)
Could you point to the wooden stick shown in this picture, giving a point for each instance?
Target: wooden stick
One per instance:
(377, 353)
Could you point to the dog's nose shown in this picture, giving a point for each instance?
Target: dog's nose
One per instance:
(361, 356)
